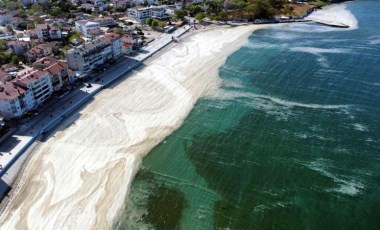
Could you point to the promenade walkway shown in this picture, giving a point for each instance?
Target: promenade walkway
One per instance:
(13, 151)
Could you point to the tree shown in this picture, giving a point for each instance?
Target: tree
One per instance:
(10, 29)
(180, 14)
(118, 31)
(13, 5)
(37, 8)
(161, 24)
(193, 9)
(21, 13)
(262, 9)
(288, 10)
(15, 60)
(199, 16)
(155, 23)
(149, 21)
(214, 7)
(30, 26)
(239, 5)
(55, 11)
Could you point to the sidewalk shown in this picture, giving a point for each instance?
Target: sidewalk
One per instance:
(26, 134)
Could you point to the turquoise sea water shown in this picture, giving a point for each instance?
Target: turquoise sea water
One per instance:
(291, 142)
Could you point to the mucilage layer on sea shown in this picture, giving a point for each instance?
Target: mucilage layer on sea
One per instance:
(80, 177)
(289, 140)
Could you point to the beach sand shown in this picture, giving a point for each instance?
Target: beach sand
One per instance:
(80, 177)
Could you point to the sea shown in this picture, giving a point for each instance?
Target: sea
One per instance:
(291, 140)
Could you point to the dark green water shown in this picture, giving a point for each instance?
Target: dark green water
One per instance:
(291, 142)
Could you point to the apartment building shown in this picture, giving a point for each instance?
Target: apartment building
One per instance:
(104, 21)
(88, 56)
(44, 62)
(41, 50)
(59, 74)
(42, 31)
(115, 41)
(45, 32)
(55, 33)
(38, 82)
(121, 3)
(87, 28)
(130, 40)
(25, 92)
(142, 13)
(15, 100)
(19, 47)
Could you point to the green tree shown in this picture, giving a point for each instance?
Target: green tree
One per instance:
(193, 9)
(262, 9)
(30, 26)
(149, 21)
(10, 29)
(37, 8)
(288, 10)
(161, 24)
(180, 14)
(22, 14)
(55, 11)
(239, 5)
(15, 60)
(13, 5)
(199, 16)
(118, 31)
(155, 23)
(214, 7)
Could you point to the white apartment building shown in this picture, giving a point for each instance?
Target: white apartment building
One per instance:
(38, 82)
(88, 28)
(88, 56)
(104, 21)
(55, 33)
(44, 31)
(59, 74)
(115, 41)
(142, 13)
(149, 2)
(5, 17)
(15, 101)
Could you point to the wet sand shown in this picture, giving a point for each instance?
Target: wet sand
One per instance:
(80, 177)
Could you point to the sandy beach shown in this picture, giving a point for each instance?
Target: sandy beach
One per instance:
(80, 177)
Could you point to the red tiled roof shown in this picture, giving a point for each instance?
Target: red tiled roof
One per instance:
(94, 31)
(111, 36)
(8, 65)
(41, 26)
(56, 68)
(46, 61)
(9, 90)
(27, 78)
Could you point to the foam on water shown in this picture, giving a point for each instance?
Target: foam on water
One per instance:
(315, 50)
(346, 186)
(80, 178)
(231, 95)
(360, 127)
(335, 13)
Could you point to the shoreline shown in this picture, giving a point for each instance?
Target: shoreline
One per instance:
(185, 91)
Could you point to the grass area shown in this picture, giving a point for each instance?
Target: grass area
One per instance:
(321, 3)
(300, 9)
(73, 36)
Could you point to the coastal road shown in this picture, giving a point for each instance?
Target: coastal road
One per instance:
(54, 112)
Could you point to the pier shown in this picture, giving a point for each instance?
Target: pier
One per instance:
(330, 23)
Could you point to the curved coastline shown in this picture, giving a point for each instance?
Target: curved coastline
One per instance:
(147, 107)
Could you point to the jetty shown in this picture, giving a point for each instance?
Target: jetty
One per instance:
(330, 23)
